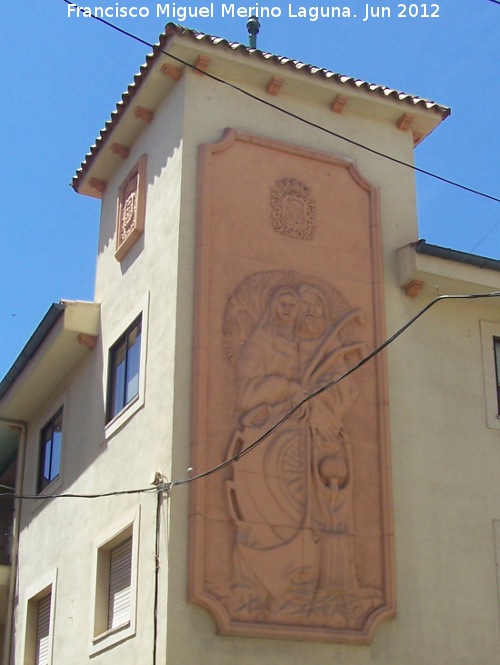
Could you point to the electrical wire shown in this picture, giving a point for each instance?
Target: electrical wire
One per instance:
(470, 251)
(483, 238)
(457, 264)
(274, 106)
(330, 384)
(290, 114)
(166, 487)
(43, 497)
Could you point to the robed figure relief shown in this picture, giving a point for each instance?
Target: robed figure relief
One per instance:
(291, 498)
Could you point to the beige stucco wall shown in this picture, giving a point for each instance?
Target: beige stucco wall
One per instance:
(64, 534)
(445, 460)
(446, 495)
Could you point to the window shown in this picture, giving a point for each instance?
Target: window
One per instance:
(125, 371)
(124, 364)
(115, 587)
(120, 577)
(490, 341)
(42, 640)
(116, 570)
(40, 621)
(50, 451)
(113, 603)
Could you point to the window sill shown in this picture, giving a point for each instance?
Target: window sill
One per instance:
(45, 494)
(111, 637)
(123, 416)
(111, 631)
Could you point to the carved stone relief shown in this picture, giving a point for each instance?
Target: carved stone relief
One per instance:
(290, 499)
(292, 540)
(128, 216)
(131, 209)
(293, 209)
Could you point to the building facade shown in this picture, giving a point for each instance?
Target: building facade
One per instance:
(223, 509)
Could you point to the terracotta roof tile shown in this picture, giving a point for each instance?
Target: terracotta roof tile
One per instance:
(172, 29)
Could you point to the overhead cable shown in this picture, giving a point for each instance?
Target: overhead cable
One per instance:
(68, 495)
(166, 487)
(290, 114)
(330, 384)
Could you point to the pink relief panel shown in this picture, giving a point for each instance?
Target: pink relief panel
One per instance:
(294, 538)
(131, 209)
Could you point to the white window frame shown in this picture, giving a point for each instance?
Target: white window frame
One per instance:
(44, 587)
(102, 637)
(137, 402)
(489, 331)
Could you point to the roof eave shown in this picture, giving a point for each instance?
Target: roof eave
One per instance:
(433, 270)
(66, 333)
(179, 48)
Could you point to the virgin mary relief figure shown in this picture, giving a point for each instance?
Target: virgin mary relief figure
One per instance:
(291, 498)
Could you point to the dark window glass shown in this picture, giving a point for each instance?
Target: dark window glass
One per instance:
(50, 451)
(124, 361)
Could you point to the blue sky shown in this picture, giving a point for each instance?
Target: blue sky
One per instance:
(63, 76)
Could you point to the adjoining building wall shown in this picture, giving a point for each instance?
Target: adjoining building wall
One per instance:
(445, 461)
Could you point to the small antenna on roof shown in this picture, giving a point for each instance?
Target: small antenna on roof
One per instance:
(253, 26)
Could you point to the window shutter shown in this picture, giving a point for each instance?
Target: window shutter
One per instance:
(43, 631)
(119, 584)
